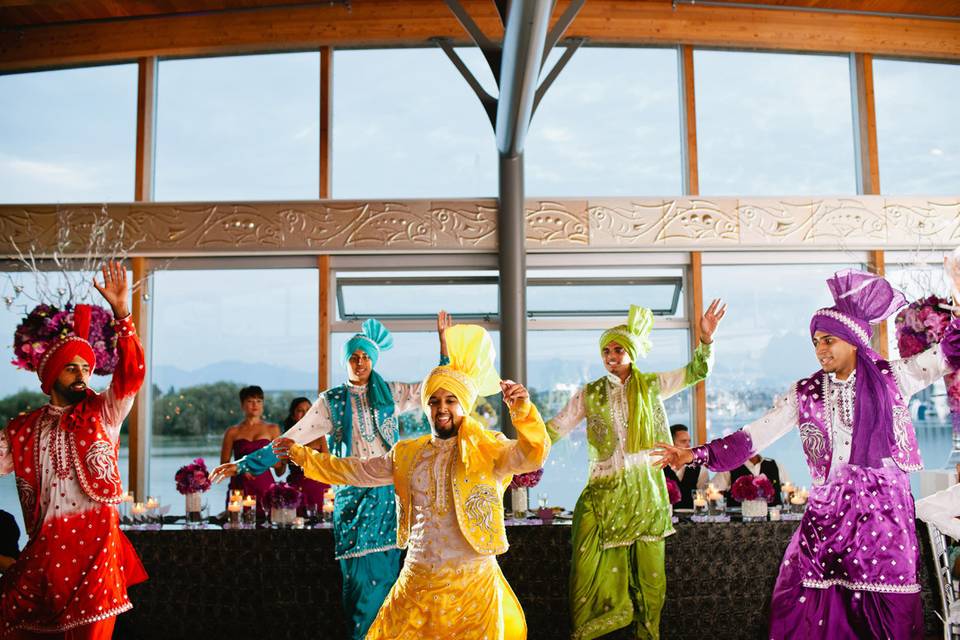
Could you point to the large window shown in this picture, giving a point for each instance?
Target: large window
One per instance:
(774, 124)
(763, 345)
(406, 125)
(215, 331)
(239, 128)
(609, 125)
(69, 135)
(918, 134)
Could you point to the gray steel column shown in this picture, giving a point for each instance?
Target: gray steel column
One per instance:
(513, 275)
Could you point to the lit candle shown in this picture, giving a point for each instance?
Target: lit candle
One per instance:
(128, 497)
(774, 514)
(787, 488)
(328, 495)
(138, 509)
(234, 506)
(298, 523)
(328, 507)
(797, 499)
(249, 502)
(152, 503)
(236, 495)
(699, 502)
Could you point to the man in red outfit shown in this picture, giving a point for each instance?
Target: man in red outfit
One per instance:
(71, 579)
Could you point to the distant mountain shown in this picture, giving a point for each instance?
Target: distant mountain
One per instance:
(268, 376)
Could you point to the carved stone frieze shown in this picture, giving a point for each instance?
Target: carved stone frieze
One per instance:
(340, 226)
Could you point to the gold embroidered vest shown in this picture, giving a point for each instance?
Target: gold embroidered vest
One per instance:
(477, 497)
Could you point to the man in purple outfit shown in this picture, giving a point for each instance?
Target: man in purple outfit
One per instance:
(850, 570)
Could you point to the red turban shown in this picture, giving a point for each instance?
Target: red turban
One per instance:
(66, 349)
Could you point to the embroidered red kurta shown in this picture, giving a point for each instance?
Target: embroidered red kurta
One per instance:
(77, 565)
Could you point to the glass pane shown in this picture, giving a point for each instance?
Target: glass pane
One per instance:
(407, 125)
(245, 128)
(763, 346)
(633, 149)
(403, 297)
(68, 135)
(774, 124)
(260, 328)
(918, 134)
(21, 388)
(561, 362)
(603, 298)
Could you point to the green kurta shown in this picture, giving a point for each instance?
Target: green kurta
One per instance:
(623, 515)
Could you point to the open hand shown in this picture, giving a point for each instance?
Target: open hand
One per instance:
(281, 448)
(670, 455)
(224, 471)
(114, 288)
(514, 393)
(711, 319)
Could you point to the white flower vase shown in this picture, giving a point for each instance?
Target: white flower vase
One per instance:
(754, 510)
(282, 517)
(519, 501)
(194, 507)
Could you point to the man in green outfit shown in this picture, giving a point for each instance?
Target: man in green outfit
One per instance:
(623, 515)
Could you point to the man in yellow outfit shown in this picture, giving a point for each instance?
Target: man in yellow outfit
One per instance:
(449, 487)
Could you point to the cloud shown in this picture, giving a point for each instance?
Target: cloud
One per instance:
(47, 173)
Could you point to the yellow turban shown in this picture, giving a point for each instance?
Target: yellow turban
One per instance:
(470, 375)
(471, 372)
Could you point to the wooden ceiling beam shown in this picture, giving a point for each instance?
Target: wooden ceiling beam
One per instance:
(382, 23)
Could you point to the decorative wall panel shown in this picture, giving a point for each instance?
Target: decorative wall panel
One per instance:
(335, 226)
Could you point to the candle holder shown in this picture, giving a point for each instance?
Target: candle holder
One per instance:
(716, 504)
(249, 518)
(699, 502)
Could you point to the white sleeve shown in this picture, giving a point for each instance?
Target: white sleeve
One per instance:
(113, 412)
(920, 371)
(406, 396)
(315, 423)
(569, 417)
(703, 479)
(784, 477)
(721, 480)
(774, 424)
(941, 510)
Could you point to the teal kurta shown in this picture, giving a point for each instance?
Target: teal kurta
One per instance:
(623, 515)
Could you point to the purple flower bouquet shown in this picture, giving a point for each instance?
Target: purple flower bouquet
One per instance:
(46, 323)
(752, 488)
(673, 491)
(193, 477)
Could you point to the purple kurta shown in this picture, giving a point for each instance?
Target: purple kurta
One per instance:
(850, 570)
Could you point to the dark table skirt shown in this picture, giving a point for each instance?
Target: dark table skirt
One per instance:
(285, 584)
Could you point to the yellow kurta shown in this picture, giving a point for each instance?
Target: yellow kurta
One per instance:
(450, 584)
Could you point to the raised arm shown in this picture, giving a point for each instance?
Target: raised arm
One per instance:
(699, 367)
(569, 417)
(406, 395)
(529, 451)
(729, 452)
(130, 370)
(369, 472)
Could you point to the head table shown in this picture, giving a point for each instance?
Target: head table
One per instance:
(284, 583)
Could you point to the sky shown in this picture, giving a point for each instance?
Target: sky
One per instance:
(406, 125)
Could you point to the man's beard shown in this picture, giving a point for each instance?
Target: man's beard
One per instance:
(71, 395)
(445, 433)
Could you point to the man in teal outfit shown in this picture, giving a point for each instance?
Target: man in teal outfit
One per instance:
(358, 418)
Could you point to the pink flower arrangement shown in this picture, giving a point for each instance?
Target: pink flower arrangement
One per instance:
(673, 491)
(281, 495)
(526, 480)
(193, 477)
(752, 488)
(919, 326)
(46, 324)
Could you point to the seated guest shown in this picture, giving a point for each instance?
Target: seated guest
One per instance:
(311, 489)
(942, 510)
(756, 465)
(9, 540)
(687, 478)
(248, 436)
